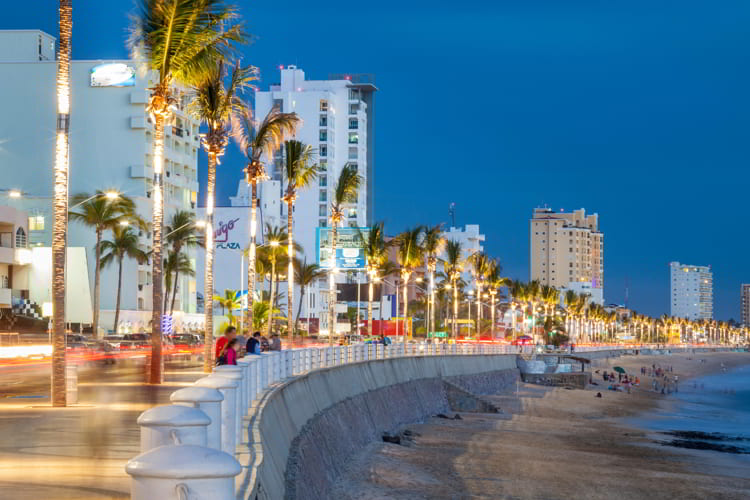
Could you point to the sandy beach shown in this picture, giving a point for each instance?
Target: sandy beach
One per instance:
(553, 443)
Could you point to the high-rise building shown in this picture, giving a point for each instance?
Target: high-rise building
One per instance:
(110, 148)
(745, 293)
(471, 242)
(691, 291)
(567, 251)
(338, 121)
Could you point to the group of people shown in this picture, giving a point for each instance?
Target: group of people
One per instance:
(622, 382)
(231, 346)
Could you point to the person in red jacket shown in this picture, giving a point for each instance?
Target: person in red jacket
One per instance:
(229, 334)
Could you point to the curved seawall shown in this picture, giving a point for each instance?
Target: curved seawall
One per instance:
(305, 430)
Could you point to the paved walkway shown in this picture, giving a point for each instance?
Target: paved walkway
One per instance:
(78, 452)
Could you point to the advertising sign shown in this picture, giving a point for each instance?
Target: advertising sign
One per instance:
(113, 75)
(350, 254)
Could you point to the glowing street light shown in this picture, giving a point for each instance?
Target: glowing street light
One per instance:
(112, 195)
(273, 243)
(14, 193)
(124, 223)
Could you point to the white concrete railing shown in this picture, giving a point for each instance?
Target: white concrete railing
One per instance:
(172, 443)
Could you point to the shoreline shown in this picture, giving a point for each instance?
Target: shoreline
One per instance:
(554, 443)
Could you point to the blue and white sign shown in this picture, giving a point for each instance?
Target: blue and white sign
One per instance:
(113, 75)
(350, 254)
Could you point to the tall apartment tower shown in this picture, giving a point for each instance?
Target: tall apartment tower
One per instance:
(692, 291)
(338, 121)
(567, 251)
(745, 293)
(110, 148)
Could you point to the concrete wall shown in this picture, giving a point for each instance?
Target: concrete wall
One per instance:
(321, 418)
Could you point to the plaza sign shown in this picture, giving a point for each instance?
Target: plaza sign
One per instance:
(350, 254)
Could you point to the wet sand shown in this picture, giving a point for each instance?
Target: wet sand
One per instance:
(553, 443)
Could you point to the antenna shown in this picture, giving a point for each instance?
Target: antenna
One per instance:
(627, 288)
(452, 213)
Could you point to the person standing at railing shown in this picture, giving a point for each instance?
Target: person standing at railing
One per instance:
(253, 344)
(229, 334)
(275, 342)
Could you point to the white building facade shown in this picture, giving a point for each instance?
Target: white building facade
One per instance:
(471, 240)
(110, 148)
(338, 121)
(691, 291)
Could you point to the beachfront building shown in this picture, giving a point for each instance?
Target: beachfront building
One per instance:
(110, 148)
(567, 251)
(338, 121)
(691, 291)
(745, 300)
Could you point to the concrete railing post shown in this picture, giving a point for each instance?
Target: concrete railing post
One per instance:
(275, 367)
(228, 388)
(207, 400)
(183, 472)
(235, 373)
(172, 424)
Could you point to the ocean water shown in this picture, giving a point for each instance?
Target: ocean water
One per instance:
(709, 413)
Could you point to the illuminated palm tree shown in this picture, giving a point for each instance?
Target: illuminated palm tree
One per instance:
(305, 275)
(182, 41)
(376, 252)
(300, 170)
(175, 263)
(344, 192)
(410, 257)
(181, 232)
(453, 265)
(101, 211)
(216, 105)
(274, 252)
(256, 140)
(124, 244)
(480, 266)
(433, 245)
(516, 291)
(494, 283)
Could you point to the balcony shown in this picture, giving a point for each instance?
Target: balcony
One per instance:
(179, 132)
(141, 171)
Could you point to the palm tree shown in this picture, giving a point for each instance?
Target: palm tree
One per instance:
(376, 251)
(101, 211)
(410, 256)
(175, 264)
(453, 266)
(274, 252)
(228, 303)
(60, 230)
(480, 267)
(182, 41)
(433, 245)
(124, 243)
(345, 191)
(181, 232)
(217, 106)
(300, 170)
(256, 141)
(494, 282)
(305, 275)
(516, 290)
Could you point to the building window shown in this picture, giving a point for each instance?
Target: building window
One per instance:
(323, 105)
(20, 238)
(323, 120)
(353, 108)
(323, 135)
(323, 165)
(323, 195)
(323, 151)
(353, 124)
(352, 153)
(36, 223)
(323, 180)
(353, 94)
(354, 165)
(353, 138)
(322, 223)
(322, 210)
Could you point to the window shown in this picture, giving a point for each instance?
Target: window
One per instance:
(322, 223)
(323, 180)
(323, 135)
(323, 195)
(323, 121)
(322, 210)
(323, 105)
(352, 153)
(36, 223)
(323, 151)
(353, 108)
(20, 238)
(353, 94)
(353, 124)
(353, 138)
(323, 165)
(354, 165)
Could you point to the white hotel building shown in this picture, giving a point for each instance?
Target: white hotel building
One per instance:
(110, 148)
(338, 121)
(691, 291)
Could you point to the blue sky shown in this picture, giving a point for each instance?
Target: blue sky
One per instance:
(637, 110)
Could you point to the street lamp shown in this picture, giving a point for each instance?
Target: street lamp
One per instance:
(197, 223)
(14, 193)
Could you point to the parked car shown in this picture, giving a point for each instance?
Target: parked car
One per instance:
(113, 340)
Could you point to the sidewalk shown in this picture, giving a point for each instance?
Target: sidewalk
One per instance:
(79, 452)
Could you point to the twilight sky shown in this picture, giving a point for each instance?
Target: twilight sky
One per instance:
(637, 110)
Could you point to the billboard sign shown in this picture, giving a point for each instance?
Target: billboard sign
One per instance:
(350, 253)
(113, 75)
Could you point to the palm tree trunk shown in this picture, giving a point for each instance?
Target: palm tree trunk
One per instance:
(174, 291)
(455, 309)
(299, 308)
(432, 300)
(370, 293)
(492, 328)
(60, 231)
(271, 298)
(332, 286)
(290, 271)
(406, 302)
(208, 288)
(251, 256)
(119, 289)
(166, 295)
(97, 280)
(157, 263)
(479, 309)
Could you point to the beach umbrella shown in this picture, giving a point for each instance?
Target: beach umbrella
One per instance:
(619, 369)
